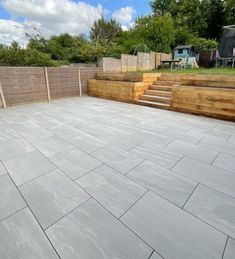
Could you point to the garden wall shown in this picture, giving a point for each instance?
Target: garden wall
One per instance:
(34, 84)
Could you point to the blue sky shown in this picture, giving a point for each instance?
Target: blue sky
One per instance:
(59, 16)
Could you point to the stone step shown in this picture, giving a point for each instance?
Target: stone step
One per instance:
(153, 104)
(154, 98)
(160, 88)
(158, 93)
(166, 83)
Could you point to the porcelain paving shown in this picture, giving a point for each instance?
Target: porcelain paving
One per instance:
(21, 237)
(167, 184)
(216, 178)
(113, 190)
(225, 162)
(155, 256)
(75, 163)
(175, 234)
(215, 208)
(2, 169)
(117, 158)
(52, 196)
(230, 249)
(11, 200)
(95, 233)
(28, 166)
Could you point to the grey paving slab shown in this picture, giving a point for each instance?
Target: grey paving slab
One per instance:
(97, 130)
(95, 233)
(113, 190)
(13, 148)
(155, 256)
(21, 237)
(66, 132)
(230, 129)
(232, 139)
(117, 158)
(75, 163)
(88, 143)
(123, 128)
(215, 208)
(52, 196)
(2, 169)
(120, 140)
(171, 231)
(214, 177)
(225, 162)
(28, 166)
(230, 249)
(193, 151)
(52, 145)
(159, 156)
(218, 145)
(11, 200)
(167, 184)
(209, 133)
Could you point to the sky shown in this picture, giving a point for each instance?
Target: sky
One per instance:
(60, 16)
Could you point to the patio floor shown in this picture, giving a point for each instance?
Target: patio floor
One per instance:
(96, 179)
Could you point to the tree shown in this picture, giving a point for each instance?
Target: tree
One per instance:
(160, 7)
(105, 31)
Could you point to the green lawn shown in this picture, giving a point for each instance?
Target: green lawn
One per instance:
(221, 71)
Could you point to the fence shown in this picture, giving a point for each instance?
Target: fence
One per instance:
(129, 63)
(32, 84)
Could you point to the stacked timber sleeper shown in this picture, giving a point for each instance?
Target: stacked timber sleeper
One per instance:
(159, 93)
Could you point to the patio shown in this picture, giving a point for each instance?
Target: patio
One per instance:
(97, 179)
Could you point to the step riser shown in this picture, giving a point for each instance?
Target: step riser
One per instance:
(169, 78)
(154, 105)
(166, 83)
(160, 88)
(155, 99)
(158, 93)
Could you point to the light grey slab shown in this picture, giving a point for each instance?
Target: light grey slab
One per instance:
(123, 129)
(225, 162)
(231, 140)
(117, 158)
(14, 148)
(218, 146)
(158, 156)
(97, 130)
(10, 199)
(148, 136)
(52, 145)
(120, 140)
(230, 129)
(193, 151)
(200, 172)
(213, 207)
(50, 124)
(75, 163)
(95, 233)
(209, 133)
(155, 256)
(34, 134)
(2, 169)
(28, 166)
(167, 184)
(113, 190)
(21, 237)
(88, 143)
(52, 196)
(172, 232)
(230, 249)
(66, 132)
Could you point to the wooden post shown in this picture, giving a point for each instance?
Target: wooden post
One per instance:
(79, 82)
(47, 84)
(2, 97)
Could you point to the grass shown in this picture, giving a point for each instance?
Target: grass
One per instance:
(220, 71)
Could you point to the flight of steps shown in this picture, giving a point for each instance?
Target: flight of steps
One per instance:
(159, 93)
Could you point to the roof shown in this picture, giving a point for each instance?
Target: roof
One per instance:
(184, 47)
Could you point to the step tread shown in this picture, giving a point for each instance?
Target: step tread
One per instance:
(157, 91)
(157, 97)
(154, 103)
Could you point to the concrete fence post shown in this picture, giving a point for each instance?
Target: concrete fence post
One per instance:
(47, 84)
(2, 97)
(79, 82)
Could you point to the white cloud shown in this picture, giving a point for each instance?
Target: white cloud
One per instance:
(124, 15)
(49, 16)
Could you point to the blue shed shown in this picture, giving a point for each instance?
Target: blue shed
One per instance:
(184, 52)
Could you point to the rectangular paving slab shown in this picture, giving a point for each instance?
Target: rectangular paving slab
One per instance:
(167, 184)
(225, 162)
(213, 207)
(110, 188)
(95, 233)
(173, 233)
(52, 196)
(198, 171)
(2, 169)
(21, 237)
(230, 249)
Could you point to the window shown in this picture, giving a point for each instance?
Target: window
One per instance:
(180, 51)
